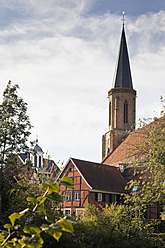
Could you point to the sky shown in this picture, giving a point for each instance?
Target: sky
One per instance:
(63, 54)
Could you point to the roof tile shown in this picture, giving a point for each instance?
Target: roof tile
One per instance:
(101, 177)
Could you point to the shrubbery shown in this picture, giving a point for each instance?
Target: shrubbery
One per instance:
(114, 226)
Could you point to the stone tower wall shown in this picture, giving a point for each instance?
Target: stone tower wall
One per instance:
(117, 98)
(119, 125)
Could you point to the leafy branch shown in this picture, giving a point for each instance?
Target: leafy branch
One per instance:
(29, 235)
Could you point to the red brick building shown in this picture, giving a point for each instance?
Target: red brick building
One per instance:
(94, 183)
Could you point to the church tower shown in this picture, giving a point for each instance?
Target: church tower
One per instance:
(122, 102)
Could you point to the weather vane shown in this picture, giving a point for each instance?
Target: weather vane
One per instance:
(123, 19)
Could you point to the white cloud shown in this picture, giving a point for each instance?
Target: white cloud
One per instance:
(64, 62)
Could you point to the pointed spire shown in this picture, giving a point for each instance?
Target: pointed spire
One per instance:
(122, 77)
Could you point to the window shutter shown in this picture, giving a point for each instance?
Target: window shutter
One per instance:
(96, 198)
(103, 197)
(118, 198)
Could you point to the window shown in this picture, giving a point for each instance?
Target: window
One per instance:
(68, 196)
(67, 212)
(39, 161)
(77, 196)
(125, 112)
(72, 178)
(107, 150)
(103, 197)
(109, 113)
(112, 198)
(99, 197)
(35, 161)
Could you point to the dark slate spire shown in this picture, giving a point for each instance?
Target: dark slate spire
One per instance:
(122, 77)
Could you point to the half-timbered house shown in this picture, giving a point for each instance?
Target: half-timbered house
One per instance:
(94, 184)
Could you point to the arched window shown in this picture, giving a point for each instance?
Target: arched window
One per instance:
(109, 113)
(39, 161)
(125, 112)
(35, 160)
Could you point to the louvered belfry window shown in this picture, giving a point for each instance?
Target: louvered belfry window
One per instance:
(125, 112)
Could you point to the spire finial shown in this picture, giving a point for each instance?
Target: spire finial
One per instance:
(37, 139)
(123, 19)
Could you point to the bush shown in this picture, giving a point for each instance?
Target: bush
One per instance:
(114, 226)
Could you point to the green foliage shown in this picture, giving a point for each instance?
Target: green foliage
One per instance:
(16, 189)
(114, 226)
(14, 132)
(66, 181)
(149, 166)
(22, 231)
(14, 124)
(16, 216)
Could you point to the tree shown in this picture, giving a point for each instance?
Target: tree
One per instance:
(14, 128)
(14, 123)
(23, 231)
(149, 163)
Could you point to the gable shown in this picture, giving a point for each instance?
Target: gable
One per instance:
(72, 171)
(101, 177)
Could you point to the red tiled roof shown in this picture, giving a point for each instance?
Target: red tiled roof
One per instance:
(132, 145)
(101, 177)
(121, 152)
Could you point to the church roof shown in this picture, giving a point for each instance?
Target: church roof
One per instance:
(100, 176)
(129, 148)
(37, 148)
(48, 164)
(120, 153)
(122, 77)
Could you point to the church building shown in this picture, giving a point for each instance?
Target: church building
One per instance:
(122, 102)
(38, 163)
